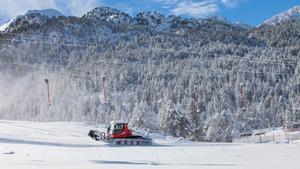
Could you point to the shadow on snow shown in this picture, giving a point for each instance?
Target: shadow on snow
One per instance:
(155, 163)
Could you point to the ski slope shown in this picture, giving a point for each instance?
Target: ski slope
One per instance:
(65, 145)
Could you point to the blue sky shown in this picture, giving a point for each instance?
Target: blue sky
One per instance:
(252, 12)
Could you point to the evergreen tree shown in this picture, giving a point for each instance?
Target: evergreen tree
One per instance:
(221, 127)
(173, 120)
(143, 117)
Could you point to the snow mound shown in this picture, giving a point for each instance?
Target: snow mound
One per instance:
(291, 14)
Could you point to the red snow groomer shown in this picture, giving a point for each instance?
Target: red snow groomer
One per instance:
(118, 133)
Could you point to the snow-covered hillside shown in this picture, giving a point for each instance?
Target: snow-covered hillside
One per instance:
(291, 14)
(66, 145)
(31, 17)
(201, 79)
(5, 25)
(49, 13)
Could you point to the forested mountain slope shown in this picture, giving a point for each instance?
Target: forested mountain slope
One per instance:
(202, 79)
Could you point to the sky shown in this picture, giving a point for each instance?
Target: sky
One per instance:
(251, 12)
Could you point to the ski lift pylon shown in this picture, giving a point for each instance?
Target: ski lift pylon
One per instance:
(48, 89)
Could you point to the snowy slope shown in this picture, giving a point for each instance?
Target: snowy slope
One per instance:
(5, 25)
(65, 145)
(291, 14)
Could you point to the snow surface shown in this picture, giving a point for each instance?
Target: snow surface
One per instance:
(66, 145)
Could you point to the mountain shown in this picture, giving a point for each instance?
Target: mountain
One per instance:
(50, 13)
(291, 14)
(212, 78)
(109, 15)
(31, 17)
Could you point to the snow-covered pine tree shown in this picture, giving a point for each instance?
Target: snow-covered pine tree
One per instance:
(221, 127)
(174, 121)
(144, 117)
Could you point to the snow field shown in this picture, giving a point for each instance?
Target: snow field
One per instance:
(30, 145)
